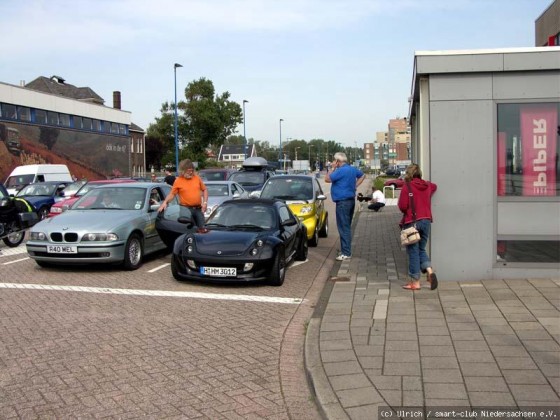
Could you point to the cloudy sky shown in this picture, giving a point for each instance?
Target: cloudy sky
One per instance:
(331, 69)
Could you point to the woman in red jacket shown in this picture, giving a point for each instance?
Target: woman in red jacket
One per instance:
(418, 259)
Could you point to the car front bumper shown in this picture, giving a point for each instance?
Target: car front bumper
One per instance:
(87, 254)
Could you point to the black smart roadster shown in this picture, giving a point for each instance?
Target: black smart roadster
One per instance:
(244, 240)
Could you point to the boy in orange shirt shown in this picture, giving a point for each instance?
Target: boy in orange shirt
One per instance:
(192, 192)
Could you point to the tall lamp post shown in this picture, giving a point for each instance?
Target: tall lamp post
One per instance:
(280, 149)
(244, 135)
(175, 66)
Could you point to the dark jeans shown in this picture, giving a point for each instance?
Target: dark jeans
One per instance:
(344, 215)
(196, 215)
(418, 258)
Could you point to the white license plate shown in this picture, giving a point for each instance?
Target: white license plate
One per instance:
(62, 249)
(219, 271)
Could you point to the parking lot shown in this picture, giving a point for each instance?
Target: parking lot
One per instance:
(103, 342)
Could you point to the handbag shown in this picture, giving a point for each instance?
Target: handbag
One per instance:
(410, 235)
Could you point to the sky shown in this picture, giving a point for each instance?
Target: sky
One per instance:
(331, 69)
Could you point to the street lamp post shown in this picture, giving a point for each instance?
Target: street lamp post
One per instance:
(244, 135)
(280, 149)
(175, 66)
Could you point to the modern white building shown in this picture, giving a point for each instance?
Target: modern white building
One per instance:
(485, 129)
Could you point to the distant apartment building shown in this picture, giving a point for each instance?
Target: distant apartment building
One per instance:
(53, 121)
(547, 26)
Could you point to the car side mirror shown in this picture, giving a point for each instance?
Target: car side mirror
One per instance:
(321, 197)
(154, 207)
(255, 194)
(289, 222)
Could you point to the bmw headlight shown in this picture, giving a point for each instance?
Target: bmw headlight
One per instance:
(99, 237)
(306, 210)
(38, 236)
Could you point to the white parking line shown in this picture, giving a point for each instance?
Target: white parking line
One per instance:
(158, 293)
(296, 263)
(6, 252)
(153, 270)
(15, 261)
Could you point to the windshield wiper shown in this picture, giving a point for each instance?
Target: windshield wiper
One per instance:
(246, 227)
(215, 225)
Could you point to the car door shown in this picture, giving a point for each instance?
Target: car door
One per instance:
(289, 226)
(319, 204)
(152, 240)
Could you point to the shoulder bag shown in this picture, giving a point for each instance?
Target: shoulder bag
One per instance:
(410, 235)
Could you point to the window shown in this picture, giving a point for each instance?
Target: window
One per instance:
(87, 123)
(24, 113)
(528, 251)
(131, 145)
(528, 146)
(122, 129)
(96, 125)
(64, 120)
(77, 122)
(40, 116)
(106, 126)
(8, 111)
(52, 118)
(114, 128)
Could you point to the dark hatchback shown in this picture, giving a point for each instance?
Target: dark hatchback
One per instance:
(244, 240)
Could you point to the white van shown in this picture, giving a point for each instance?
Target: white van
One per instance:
(29, 174)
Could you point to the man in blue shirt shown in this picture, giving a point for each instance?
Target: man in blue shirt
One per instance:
(345, 179)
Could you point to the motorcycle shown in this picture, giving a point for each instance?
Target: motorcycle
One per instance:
(15, 219)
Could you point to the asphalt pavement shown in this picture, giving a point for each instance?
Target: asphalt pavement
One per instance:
(476, 349)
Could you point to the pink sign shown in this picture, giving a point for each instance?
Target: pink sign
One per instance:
(538, 134)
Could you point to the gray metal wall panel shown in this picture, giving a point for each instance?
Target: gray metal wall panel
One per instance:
(462, 163)
(537, 85)
(532, 61)
(460, 86)
(526, 218)
(461, 63)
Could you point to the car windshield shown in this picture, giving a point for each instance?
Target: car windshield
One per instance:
(114, 198)
(15, 181)
(288, 189)
(240, 216)
(217, 190)
(247, 177)
(38, 189)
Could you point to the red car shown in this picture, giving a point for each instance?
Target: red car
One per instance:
(395, 182)
(63, 205)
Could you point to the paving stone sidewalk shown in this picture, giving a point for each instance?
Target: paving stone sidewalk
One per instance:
(371, 344)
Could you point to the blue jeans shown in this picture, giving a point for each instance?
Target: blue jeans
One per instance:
(344, 215)
(418, 258)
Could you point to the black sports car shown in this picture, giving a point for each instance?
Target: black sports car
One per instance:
(244, 240)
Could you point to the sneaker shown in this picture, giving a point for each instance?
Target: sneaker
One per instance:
(343, 257)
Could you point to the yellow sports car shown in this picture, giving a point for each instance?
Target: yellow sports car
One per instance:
(305, 198)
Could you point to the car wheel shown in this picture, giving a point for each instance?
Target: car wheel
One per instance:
(174, 269)
(303, 250)
(14, 239)
(278, 270)
(324, 232)
(42, 213)
(133, 252)
(314, 241)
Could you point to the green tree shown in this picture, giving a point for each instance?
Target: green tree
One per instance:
(154, 152)
(205, 120)
(208, 118)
